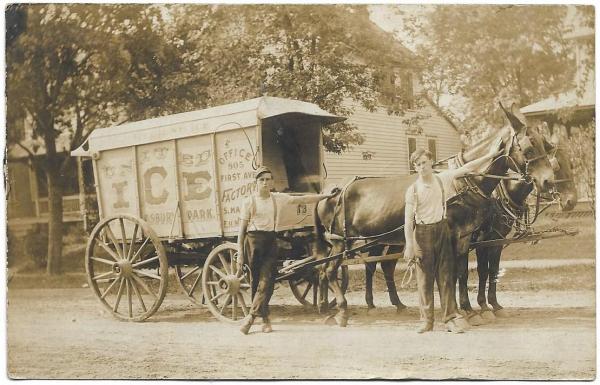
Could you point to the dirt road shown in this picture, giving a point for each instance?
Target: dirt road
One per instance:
(63, 333)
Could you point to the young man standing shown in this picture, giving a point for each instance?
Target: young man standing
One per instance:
(428, 235)
(257, 242)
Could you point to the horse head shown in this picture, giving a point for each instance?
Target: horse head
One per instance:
(564, 182)
(527, 150)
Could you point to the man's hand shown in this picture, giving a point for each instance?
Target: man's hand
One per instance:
(409, 253)
(334, 191)
(496, 149)
(240, 260)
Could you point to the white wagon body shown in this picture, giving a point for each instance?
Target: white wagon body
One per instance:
(187, 174)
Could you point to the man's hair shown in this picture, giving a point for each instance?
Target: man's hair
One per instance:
(419, 153)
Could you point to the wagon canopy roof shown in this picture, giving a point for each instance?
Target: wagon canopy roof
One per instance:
(211, 120)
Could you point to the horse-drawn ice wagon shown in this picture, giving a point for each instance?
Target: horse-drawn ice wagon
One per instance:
(169, 195)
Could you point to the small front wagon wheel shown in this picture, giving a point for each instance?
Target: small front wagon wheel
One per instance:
(126, 267)
(226, 290)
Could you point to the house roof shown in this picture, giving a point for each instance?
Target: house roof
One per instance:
(568, 99)
(211, 120)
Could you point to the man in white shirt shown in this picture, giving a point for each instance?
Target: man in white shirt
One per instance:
(257, 242)
(428, 235)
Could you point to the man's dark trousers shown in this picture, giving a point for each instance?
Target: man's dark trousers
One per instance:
(434, 248)
(261, 251)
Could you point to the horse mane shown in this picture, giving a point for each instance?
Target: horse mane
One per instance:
(481, 147)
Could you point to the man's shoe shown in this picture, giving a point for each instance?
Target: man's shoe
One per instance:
(247, 324)
(453, 327)
(426, 327)
(266, 327)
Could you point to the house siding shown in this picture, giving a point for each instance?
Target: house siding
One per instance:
(386, 139)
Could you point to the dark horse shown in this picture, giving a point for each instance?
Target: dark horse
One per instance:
(373, 206)
(511, 199)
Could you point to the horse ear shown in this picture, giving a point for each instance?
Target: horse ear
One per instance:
(515, 122)
(516, 111)
(555, 138)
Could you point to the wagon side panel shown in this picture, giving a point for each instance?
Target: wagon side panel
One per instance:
(236, 152)
(198, 188)
(157, 183)
(116, 180)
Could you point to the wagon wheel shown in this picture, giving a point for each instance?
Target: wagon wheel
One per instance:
(190, 282)
(226, 290)
(306, 288)
(129, 278)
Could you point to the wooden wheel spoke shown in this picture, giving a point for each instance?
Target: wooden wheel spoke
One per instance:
(226, 303)
(119, 295)
(137, 293)
(224, 263)
(112, 238)
(102, 260)
(145, 262)
(139, 250)
(213, 283)
(133, 236)
(115, 256)
(243, 304)
(144, 286)
(130, 304)
(245, 285)
(216, 270)
(216, 297)
(103, 275)
(233, 307)
(195, 284)
(146, 274)
(123, 238)
(110, 287)
(307, 290)
(315, 292)
(183, 277)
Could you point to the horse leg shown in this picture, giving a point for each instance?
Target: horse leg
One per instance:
(341, 316)
(494, 271)
(462, 264)
(323, 289)
(369, 271)
(482, 271)
(388, 268)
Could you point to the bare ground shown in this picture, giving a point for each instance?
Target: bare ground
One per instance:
(64, 334)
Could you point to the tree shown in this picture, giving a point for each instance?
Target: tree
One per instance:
(323, 54)
(488, 53)
(71, 68)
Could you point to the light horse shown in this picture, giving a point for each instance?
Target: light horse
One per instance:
(509, 205)
(370, 207)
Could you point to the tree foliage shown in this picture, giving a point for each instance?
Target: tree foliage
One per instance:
(489, 53)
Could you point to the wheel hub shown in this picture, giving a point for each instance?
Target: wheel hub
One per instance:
(123, 268)
(230, 284)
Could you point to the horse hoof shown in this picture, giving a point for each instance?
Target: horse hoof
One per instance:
(476, 320)
(330, 320)
(462, 322)
(341, 320)
(501, 313)
(488, 315)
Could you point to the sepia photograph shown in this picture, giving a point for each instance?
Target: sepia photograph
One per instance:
(300, 191)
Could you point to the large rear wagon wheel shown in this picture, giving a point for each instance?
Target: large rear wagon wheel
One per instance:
(226, 290)
(126, 266)
(306, 287)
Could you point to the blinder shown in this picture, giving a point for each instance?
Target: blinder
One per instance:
(554, 163)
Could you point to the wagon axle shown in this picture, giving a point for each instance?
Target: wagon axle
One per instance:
(123, 268)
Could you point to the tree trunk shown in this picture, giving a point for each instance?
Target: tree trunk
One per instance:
(55, 220)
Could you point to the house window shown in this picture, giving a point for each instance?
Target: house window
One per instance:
(406, 90)
(70, 182)
(412, 147)
(432, 146)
